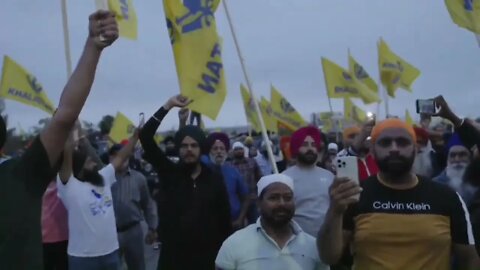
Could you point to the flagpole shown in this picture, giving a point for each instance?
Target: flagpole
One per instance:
(335, 124)
(66, 39)
(250, 89)
(386, 98)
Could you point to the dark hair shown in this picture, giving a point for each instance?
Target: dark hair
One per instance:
(3, 132)
(78, 162)
(114, 149)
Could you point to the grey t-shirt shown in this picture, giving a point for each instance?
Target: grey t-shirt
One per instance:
(311, 196)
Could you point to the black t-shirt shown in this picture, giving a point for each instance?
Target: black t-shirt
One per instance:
(407, 229)
(23, 182)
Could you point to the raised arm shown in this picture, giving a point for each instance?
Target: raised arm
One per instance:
(76, 91)
(332, 237)
(469, 134)
(183, 117)
(125, 153)
(153, 154)
(362, 137)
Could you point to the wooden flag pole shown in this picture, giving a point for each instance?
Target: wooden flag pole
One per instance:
(66, 38)
(249, 85)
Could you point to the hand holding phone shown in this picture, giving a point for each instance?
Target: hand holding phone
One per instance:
(347, 167)
(426, 106)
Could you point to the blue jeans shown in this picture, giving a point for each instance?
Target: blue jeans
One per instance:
(106, 262)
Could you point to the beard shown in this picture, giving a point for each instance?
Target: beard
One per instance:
(396, 165)
(239, 156)
(92, 177)
(218, 159)
(188, 167)
(278, 217)
(308, 158)
(455, 174)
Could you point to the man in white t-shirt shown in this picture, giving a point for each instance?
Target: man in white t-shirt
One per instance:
(86, 193)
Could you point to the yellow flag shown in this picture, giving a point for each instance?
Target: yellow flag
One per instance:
(267, 115)
(360, 74)
(284, 111)
(197, 51)
(126, 17)
(329, 122)
(408, 118)
(248, 104)
(465, 14)
(394, 71)
(122, 128)
(352, 112)
(341, 84)
(19, 85)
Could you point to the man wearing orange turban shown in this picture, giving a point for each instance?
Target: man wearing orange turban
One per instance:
(400, 221)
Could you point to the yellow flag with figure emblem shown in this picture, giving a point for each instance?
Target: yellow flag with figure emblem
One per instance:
(352, 112)
(394, 71)
(122, 128)
(197, 50)
(465, 14)
(341, 84)
(284, 112)
(361, 74)
(19, 85)
(126, 17)
(252, 117)
(267, 114)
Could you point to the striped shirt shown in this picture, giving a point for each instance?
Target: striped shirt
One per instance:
(132, 201)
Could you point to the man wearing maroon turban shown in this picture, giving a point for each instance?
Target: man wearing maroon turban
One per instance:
(311, 182)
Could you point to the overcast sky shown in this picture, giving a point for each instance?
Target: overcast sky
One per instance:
(283, 42)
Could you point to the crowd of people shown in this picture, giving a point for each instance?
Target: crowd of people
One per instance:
(216, 202)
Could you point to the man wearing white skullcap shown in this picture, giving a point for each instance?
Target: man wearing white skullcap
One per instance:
(275, 241)
(251, 174)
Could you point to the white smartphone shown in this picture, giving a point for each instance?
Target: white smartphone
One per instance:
(348, 167)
